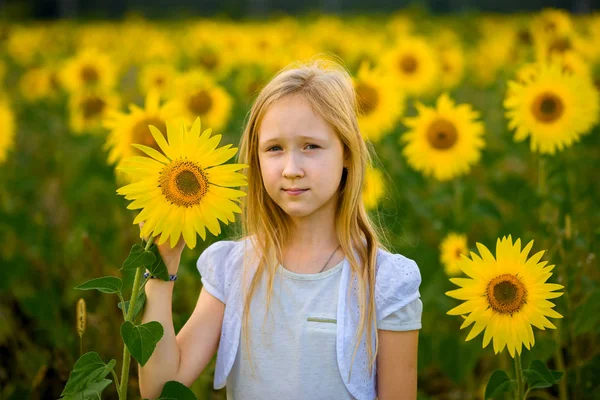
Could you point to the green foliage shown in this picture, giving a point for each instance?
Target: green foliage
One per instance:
(106, 284)
(499, 383)
(141, 340)
(87, 378)
(174, 390)
(138, 257)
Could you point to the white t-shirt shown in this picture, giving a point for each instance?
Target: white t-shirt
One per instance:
(294, 352)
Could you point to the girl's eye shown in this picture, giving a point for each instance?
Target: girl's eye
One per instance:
(316, 146)
(273, 147)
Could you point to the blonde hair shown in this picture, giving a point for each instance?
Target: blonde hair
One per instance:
(328, 87)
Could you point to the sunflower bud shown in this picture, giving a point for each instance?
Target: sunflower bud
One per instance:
(81, 317)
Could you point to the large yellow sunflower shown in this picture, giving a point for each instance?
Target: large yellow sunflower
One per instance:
(7, 130)
(373, 190)
(414, 63)
(132, 127)
(90, 69)
(88, 109)
(198, 96)
(445, 141)
(184, 189)
(380, 102)
(505, 295)
(555, 108)
(452, 246)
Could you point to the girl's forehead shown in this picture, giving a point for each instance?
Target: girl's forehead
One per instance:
(293, 118)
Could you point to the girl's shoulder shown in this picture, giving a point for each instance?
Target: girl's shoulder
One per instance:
(397, 281)
(216, 265)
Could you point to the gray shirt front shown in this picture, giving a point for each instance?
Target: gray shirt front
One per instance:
(293, 350)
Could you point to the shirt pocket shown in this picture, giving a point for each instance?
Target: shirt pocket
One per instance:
(321, 323)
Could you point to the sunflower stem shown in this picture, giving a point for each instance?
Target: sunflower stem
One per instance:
(126, 356)
(519, 376)
(457, 202)
(541, 175)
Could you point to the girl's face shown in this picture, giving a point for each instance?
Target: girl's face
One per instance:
(297, 149)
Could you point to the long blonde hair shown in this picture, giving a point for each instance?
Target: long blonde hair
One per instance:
(328, 87)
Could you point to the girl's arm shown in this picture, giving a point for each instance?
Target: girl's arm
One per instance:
(181, 358)
(397, 365)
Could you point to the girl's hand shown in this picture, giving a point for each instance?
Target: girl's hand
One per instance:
(170, 256)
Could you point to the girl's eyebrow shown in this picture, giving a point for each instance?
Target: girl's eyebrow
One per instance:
(305, 137)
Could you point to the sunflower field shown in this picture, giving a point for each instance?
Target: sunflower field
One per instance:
(485, 131)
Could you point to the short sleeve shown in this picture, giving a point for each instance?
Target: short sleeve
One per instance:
(407, 318)
(396, 286)
(211, 265)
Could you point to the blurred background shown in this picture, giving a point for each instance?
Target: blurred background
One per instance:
(80, 80)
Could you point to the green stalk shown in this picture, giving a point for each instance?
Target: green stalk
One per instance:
(126, 356)
(519, 376)
(457, 203)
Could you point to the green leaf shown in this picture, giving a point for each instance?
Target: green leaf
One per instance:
(158, 268)
(106, 284)
(92, 392)
(141, 339)
(139, 304)
(138, 257)
(174, 390)
(539, 376)
(499, 383)
(88, 370)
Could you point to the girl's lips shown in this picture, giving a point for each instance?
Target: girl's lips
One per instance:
(295, 192)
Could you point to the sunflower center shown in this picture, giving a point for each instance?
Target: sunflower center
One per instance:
(89, 74)
(559, 45)
(368, 98)
(159, 81)
(442, 134)
(506, 294)
(409, 64)
(457, 254)
(183, 183)
(547, 107)
(208, 61)
(141, 132)
(92, 106)
(200, 103)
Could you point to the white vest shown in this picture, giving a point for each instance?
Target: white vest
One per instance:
(397, 283)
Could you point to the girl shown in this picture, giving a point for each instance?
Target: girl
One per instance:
(308, 304)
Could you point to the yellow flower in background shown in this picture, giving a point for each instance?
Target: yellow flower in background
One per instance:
(380, 102)
(373, 190)
(196, 95)
(445, 141)
(157, 77)
(572, 62)
(184, 189)
(128, 128)
(452, 69)
(414, 63)
(7, 130)
(249, 81)
(552, 23)
(39, 83)
(554, 109)
(452, 246)
(24, 44)
(88, 110)
(492, 54)
(505, 295)
(89, 69)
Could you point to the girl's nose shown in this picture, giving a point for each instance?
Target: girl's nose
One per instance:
(292, 168)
